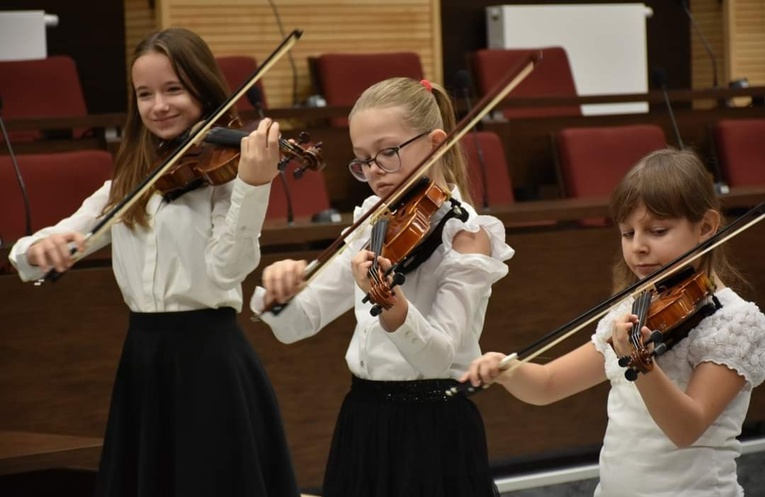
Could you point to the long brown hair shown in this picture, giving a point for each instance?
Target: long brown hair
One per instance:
(426, 107)
(199, 74)
(671, 184)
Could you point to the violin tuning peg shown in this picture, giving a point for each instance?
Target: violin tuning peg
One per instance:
(375, 311)
(303, 137)
(624, 361)
(656, 337)
(660, 349)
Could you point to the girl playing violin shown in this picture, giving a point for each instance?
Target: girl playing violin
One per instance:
(673, 430)
(192, 410)
(398, 434)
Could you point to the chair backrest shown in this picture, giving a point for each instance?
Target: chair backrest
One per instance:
(499, 189)
(552, 77)
(236, 69)
(41, 88)
(309, 195)
(56, 184)
(592, 161)
(342, 77)
(741, 151)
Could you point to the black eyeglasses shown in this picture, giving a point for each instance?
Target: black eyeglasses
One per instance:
(386, 159)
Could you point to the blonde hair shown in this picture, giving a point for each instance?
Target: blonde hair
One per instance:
(426, 106)
(200, 75)
(671, 184)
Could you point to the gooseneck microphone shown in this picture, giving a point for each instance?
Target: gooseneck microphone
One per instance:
(704, 42)
(19, 178)
(462, 81)
(659, 76)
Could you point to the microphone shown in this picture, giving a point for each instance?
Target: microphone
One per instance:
(708, 49)
(659, 76)
(287, 197)
(19, 178)
(462, 81)
(255, 97)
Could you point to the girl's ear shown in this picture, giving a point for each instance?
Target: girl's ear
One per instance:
(436, 137)
(710, 223)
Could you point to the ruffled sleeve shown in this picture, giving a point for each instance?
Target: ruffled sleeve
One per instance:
(734, 337)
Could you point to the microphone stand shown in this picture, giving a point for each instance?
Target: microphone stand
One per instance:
(19, 178)
(287, 194)
(721, 102)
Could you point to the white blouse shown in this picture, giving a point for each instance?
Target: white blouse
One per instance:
(637, 458)
(194, 254)
(448, 295)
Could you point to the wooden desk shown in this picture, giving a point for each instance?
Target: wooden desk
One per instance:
(60, 343)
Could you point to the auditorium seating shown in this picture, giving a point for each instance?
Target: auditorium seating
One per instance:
(308, 195)
(237, 69)
(56, 184)
(41, 88)
(592, 160)
(551, 77)
(740, 147)
(499, 189)
(341, 77)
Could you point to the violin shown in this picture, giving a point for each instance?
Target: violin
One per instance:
(215, 161)
(404, 225)
(674, 267)
(672, 310)
(396, 234)
(107, 220)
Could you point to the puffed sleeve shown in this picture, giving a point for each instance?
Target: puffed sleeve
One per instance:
(734, 337)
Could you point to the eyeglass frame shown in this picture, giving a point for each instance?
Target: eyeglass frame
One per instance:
(368, 162)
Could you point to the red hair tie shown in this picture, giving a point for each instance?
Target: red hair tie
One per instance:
(427, 85)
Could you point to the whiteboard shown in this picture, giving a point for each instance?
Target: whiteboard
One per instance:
(606, 45)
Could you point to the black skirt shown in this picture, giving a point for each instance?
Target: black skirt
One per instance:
(408, 439)
(193, 413)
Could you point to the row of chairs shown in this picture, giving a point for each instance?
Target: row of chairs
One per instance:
(57, 183)
(590, 163)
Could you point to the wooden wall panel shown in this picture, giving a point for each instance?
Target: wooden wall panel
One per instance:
(745, 48)
(708, 16)
(237, 27)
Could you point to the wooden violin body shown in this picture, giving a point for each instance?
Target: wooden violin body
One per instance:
(672, 312)
(216, 160)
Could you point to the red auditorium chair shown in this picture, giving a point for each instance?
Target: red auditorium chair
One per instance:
(341, 77)
(41, 88)
(308, 194)
(551, 77)
(741, 151)
(499, 189)
(56, 184)
(236, 69)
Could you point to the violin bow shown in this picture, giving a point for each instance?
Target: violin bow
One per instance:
(508, 83)
(111, 217)
(515, 359)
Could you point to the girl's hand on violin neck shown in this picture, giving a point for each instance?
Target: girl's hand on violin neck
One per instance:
(260, 154)
(55, 251)
(620, 335)
(360, 265)
(485, 370)
(283, 279)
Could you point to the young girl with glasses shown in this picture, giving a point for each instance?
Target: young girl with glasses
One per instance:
(398, 434)
(671, 431)
(192, 412)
